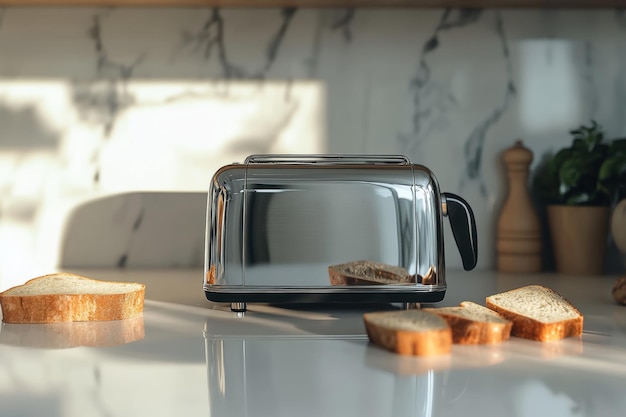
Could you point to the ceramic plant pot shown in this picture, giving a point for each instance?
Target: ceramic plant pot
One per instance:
(618, 228)
(579, 238)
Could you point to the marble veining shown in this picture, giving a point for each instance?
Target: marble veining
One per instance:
(100, 99)
(210, 39)
(90, 106)
(475, 142)
(343, 24)
(427, 92)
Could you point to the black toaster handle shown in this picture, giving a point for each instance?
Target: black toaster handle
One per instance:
(463, 226)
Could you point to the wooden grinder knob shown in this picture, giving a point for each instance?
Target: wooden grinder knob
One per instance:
(519, 233)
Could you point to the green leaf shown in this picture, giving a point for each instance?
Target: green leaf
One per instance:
(591, 136)
(618, 146)
(569, 175)
(599, 152)
(579, 198)
(578, 175)
(613, 169)
(561, 156)
(589, 172)
(579, 144)
(612, 174)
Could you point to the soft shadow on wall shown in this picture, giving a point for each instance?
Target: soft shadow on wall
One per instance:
(176, 134)
(28, 149)
(123, 111)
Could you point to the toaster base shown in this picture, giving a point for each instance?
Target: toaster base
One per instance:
(239, 299)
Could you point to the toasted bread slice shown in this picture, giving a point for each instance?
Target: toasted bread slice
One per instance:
(64, 297)
(368, 273)
(538, 313)
(473, 324)
(409, 332)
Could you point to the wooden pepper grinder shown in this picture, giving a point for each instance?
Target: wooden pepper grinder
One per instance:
(519, 233)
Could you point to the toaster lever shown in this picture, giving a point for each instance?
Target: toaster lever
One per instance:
(463, 225)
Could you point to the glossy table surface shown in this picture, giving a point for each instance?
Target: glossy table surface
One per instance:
(188, 357)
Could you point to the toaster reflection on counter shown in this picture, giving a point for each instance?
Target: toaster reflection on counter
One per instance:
(308, 376)
(276, 223)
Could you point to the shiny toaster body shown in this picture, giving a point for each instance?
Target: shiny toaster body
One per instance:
(276, 223)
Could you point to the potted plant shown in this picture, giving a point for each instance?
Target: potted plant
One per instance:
(578, 184)
(617, 171)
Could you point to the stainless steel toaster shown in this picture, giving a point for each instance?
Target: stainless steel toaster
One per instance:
(330, 228)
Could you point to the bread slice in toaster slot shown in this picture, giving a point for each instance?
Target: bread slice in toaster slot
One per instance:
(364, 272)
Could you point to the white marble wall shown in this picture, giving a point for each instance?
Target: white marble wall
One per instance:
(95, 102)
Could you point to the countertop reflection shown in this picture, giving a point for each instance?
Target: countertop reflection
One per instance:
(186, 356)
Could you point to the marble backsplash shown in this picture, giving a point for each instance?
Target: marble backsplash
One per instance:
(97, 102)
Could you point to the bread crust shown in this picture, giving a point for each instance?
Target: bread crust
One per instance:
(529, 328)
(467, 331)
(53, 308)
(425, 343)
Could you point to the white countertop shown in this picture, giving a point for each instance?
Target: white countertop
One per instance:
(194, 358)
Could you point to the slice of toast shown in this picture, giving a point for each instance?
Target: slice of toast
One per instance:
(537, 313)
(474, 324)
(65, 297)
(368, 273)
(409, 332)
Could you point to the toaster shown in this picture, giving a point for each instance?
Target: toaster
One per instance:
(330, 228)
